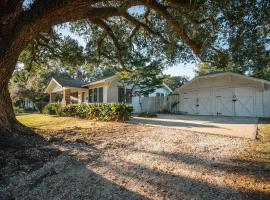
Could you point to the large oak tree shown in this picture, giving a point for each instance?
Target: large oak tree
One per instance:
(204, 28)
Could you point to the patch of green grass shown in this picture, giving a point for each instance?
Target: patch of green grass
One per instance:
(39, 120)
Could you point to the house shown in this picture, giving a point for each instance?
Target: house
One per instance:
(226, 94)
(105, 90)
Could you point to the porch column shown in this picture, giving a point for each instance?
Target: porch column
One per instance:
(66, 97)
(105, 94)
(53, 97)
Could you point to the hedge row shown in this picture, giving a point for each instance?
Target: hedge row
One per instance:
(97, 111)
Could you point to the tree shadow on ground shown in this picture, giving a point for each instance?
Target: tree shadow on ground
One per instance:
(31, 169)
(171, 186)
(64, 175)
(257, 169)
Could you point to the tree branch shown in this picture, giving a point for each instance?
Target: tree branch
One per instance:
(160, 9)
(116, 43)
(146, 27)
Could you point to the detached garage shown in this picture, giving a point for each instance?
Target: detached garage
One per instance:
(226, 94)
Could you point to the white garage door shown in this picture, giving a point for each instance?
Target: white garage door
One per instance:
(235, 101)
(224, 103)
(205, 102)
(190, 102)
(245, 99)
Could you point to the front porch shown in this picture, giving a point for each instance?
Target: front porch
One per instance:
(68, 96)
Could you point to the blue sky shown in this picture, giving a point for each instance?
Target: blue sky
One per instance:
(180, 69)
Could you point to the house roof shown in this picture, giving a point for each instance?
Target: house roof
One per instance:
(68, 82)
(216, 74)
(99, 80)
(167, 87)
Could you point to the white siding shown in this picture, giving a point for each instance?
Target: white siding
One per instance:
(113, 91)
(57, 88)
(163, 90)
(252, 99)
(266, 103)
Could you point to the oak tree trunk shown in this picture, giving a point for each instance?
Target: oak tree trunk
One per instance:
(8, 60)
(7, 116)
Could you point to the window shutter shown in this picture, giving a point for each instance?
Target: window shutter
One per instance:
(95, 95)
(121, 94)
(100, 94)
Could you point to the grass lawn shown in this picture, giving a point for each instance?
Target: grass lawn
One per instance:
(53, 127)
(39, 120)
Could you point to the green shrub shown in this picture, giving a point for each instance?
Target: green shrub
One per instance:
(40, 106)
(53, 109)
(18, 110)
(100, 111)
(147, 115)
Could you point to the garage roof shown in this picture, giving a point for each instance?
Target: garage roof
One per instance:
(217, 74)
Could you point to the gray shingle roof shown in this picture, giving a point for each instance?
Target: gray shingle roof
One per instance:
(100, 79)
(69, 82)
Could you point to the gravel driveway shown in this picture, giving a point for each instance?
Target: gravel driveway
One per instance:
(132, 161)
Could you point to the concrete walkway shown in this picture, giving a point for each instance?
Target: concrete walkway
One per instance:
(245, 127)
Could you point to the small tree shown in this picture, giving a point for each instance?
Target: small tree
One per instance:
(175, 81)
(143, 79)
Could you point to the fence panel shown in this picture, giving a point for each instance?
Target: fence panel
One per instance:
(161, 104)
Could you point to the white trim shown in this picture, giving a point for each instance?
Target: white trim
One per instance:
(46, 90)
(167, 87)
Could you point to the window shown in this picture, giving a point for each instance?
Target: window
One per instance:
(74, 94)
(100, 94)
(121, 94)
(122, 97)
(129, 96)
(90, 98)
(95, 95)
(74, 100)
(158, 94)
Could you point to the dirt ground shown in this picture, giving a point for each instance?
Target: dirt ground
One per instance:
(99, 160)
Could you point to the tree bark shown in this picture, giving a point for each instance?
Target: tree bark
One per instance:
(10, 51)
(7, 117)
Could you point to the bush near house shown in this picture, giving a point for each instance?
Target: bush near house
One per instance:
(18, 110)
(40, 106)
(100, 111)
(53, 109)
